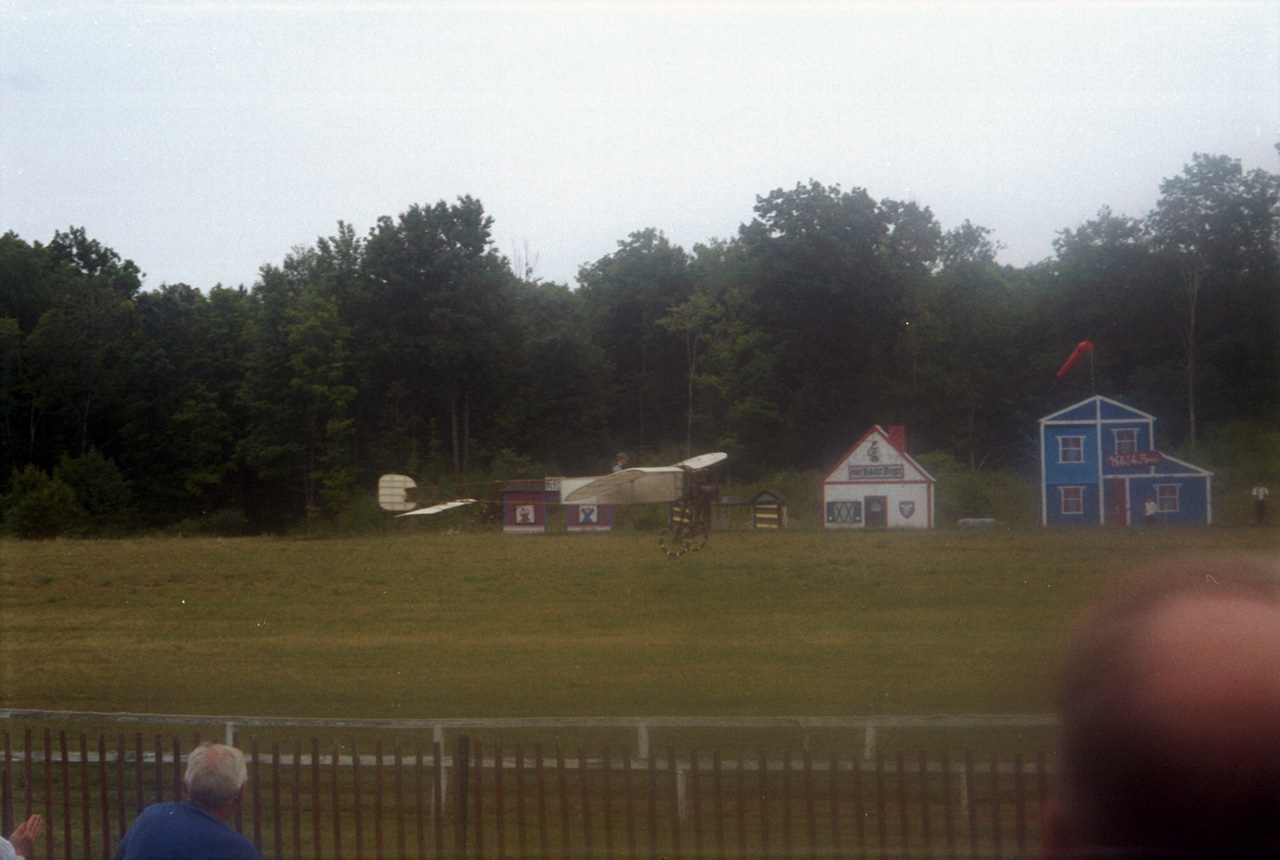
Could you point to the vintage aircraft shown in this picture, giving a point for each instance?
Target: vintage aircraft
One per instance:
(684, 486)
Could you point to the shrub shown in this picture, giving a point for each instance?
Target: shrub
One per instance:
(1239, 454)
(362, 515)
(98, 484)
(41, 506)
(962, 492)
(229, 522)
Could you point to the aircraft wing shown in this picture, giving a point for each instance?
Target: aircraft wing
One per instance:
(639, 486)
(435, 509)
(702, 461)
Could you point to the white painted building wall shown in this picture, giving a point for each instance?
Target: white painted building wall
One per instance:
(874, 474)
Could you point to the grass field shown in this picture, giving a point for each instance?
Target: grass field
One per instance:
(485, 625)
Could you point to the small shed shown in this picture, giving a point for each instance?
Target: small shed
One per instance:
(768, 511)
(1099, 464)
(878, 485)
(524, 506)
(585, 516)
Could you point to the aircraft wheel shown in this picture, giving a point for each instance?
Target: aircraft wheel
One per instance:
(680, 543)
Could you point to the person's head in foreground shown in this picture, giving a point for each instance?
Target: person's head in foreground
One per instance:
(215, 778)
(1170, 706)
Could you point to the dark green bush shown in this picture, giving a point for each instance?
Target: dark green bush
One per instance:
(230, 522)
(41, 506)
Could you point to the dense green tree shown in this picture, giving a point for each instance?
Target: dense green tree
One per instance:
(320, 397)
(415, 348)
(732, 363)
(913, 240)
(699, 320)
(181, 437)
(968, 368)
(81, 349)
(625, 294)
(28, 281)
(433, 317)
(66, 346)
(830, 306)
(10, 369)
(1104, 286)
(273, 442)
(1215, 226)
(554, 410)
(28, 288)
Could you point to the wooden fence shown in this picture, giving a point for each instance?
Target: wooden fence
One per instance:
(398, 799)
(643, 727)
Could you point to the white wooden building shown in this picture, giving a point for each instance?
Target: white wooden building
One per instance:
(878, 485)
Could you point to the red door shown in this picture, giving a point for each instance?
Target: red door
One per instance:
(1117, 502)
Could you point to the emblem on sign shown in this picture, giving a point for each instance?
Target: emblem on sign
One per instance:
(588, 514)
(525, 514)
(906, 509)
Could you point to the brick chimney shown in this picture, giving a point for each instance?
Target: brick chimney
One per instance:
(898, 438)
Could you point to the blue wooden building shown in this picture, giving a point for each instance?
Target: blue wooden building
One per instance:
(1099, 465)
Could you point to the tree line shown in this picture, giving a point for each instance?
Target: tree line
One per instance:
(416, 348)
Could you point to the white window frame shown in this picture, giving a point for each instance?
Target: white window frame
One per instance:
(1078, 501)
(1078, 445)
(1163, 494)
(1128, 445)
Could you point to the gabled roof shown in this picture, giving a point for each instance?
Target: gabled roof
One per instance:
(885, 454)
(1097, 408)
(1172, 466)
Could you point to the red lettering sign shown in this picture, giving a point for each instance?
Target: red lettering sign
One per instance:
(1136, 459)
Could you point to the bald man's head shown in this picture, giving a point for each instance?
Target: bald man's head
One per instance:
(1171, 720)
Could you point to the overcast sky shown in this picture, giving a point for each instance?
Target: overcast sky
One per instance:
(204, 139)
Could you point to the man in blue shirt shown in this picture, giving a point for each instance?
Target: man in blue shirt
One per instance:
(196, 828)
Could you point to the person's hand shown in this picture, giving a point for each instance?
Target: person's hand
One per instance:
(24, 837)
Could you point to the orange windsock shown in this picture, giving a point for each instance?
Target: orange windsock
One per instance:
(1081, 348)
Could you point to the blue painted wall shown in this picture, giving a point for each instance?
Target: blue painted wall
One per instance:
(1099, 419)
(1087, 517)
(1058, 472)
(1193, 499)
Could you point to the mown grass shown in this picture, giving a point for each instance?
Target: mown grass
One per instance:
(487, 625)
